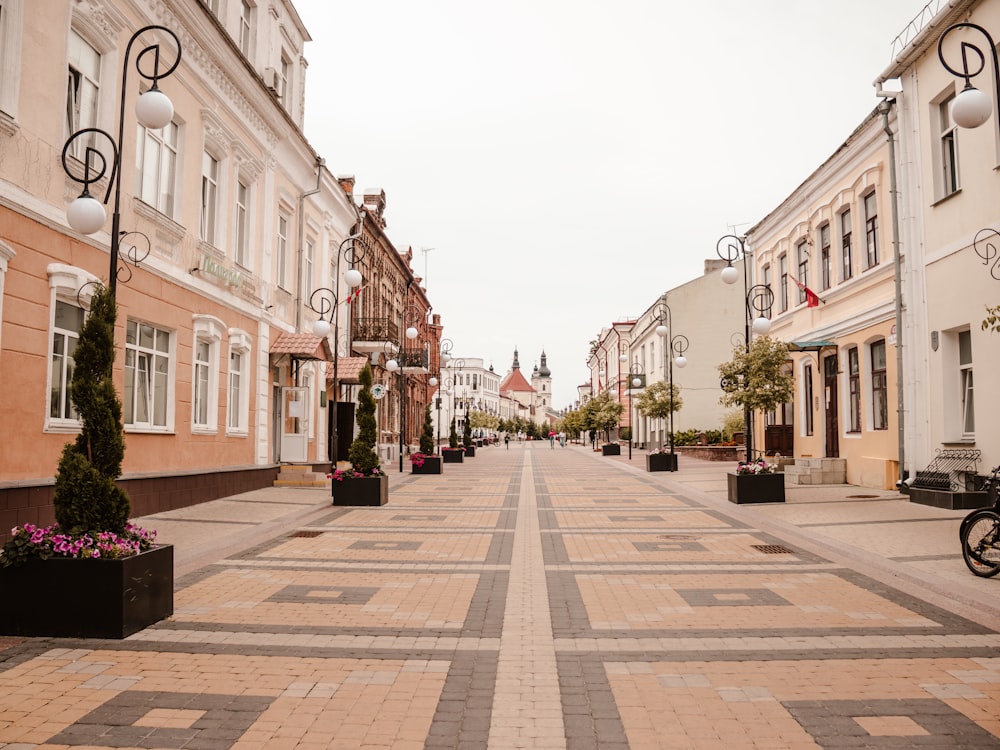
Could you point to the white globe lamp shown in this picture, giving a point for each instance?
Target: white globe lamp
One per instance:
(971, 108)
(86, 214)
(412, 333)
(730, 275)
(154, 109)
(392, 365)
(662, 330)
(681, 361)
(353, 278)
(761, 326)
(321, 328)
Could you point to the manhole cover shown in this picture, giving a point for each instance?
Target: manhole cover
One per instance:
(675, 537)
(306, 534)
(772, 549)
(861, 497)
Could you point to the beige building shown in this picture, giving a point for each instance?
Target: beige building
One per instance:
(240, 224)
(948, 183)
(827, 254)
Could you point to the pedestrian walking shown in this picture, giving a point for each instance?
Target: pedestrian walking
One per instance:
(506, 441)
(552, 439)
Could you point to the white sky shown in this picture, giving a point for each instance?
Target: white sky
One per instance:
(571, 160)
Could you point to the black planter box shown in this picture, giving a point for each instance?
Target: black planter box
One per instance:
(611, 449)
(361, 491)
(661, 462)
(452, 456)
(470, 451)
(432, 465)
(88, 598)
(756, 488)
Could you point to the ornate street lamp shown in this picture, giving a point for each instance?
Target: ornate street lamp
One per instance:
(673, 349)
(153, 110)
(636, 380)
(758, 298)
(324, 303)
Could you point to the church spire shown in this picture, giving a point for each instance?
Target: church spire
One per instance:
(516, 365)
(544, 369)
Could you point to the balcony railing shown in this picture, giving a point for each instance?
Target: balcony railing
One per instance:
(415, 360)
(372, 334)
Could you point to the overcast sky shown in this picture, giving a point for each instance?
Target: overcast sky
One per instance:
(570, 160)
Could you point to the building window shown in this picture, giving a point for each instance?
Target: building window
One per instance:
(871, 229)
(246, 27)
(949, 148)
(147, 376)
(782, 282)
(766, 280)
(238, 391)
(284, 75)
(965, 378)
(802, 258)
(308, 263)
(212, 5)
(65, 334)
(281, 251)
(825, 262)
(209, 196)
(880, 390)
(83, 84)
(854, 381)
(156, 165)
(242, 224)
(202, 368)
(807, 397)
(205, 376)
(846, 248)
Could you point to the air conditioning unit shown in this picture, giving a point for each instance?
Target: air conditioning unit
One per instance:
(272, 80)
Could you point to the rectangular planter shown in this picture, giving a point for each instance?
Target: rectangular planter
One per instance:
(661, 462)
(470, 451)
(611, 449)
(361, 491)
(432, 465)
(88, 598)
(452, 456)
(756, 488)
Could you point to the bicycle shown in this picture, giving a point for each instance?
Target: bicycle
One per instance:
(980, 532)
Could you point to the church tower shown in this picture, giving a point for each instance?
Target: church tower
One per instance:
(541, 381)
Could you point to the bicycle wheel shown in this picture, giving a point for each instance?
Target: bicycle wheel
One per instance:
(981, 543)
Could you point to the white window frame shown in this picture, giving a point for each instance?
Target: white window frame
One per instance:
(281, 250)
(208, 226)
(871, 230)
(75, 287)
(11, 24)
(238, 385)
(160, 361)
(207, 330)
(802, 268)
(242, 232)
(83, 89)
(825, 257)
(308, 269)
(158, 165)
(884, 390)
(808, 396)
(947, 177)
(845, 223)
(245, 39)
(966, 386)
(285, 78)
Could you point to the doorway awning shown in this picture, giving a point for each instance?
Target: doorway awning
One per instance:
(302, 346)
(810, 346)
(348, 369)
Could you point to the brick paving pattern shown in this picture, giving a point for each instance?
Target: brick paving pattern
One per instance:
(536, 598)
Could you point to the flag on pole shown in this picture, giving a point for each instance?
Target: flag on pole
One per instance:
(812, 299)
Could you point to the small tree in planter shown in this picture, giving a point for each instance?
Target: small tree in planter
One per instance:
(453, 454)
(364, 483)
(423, 462)
(452, 435)
(88, 562)
(758, 380)
(658, 401)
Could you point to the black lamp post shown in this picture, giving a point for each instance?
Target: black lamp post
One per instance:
(459, 365)
(758, 298)
(153, 110)
(636, 379)
(323, 302)
(411, 319)
(674, 347)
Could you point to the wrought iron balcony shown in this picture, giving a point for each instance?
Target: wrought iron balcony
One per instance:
(372, 334)
(414, 360)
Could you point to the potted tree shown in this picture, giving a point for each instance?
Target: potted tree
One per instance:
(757, 379)
(603, 413)
(423, 462)
(92, 574)
(453, 454)
(657, 401)
(467, 444)
(364, 483)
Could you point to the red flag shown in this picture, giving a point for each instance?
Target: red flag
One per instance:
(812, 299)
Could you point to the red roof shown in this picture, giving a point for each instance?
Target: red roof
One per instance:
(302, 346)
(348, 369)
(514, 381)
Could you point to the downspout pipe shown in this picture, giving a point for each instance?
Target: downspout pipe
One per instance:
(884, 107)
(320, 163)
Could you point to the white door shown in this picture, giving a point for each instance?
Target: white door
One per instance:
(294, 425)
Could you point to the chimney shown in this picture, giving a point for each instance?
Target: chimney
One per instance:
(347, 185)
(374, 201)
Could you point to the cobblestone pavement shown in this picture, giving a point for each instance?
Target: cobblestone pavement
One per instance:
(537, 598)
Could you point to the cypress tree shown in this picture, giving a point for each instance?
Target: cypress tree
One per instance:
(427, 436)
(362, 454)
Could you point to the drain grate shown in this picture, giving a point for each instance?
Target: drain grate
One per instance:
(306, 534)
(772, 549)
